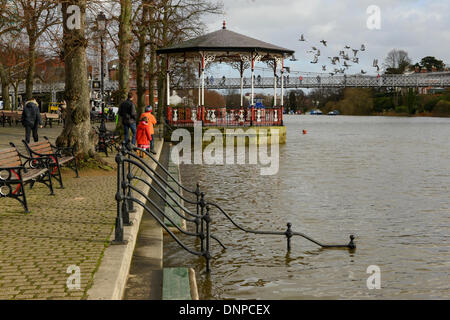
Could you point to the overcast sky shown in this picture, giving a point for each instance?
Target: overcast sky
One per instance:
(420, 27)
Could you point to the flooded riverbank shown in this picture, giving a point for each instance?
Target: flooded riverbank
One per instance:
(384, 179)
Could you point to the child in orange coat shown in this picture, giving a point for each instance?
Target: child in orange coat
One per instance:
(143, 136)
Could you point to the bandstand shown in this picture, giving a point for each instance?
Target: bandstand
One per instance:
(225, 46)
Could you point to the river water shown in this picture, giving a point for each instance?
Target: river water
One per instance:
(384, 179)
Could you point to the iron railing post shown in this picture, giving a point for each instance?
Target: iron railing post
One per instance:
(289, 235)
(207, 254)
(118, 233)
(125, 212)
(202, 213)
(130, 178)
(197, 194)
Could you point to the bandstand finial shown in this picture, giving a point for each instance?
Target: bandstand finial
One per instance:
(224, 25)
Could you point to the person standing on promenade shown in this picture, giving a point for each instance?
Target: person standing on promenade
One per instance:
(31, 119)
(151, 122)
(127, 111)
(143, 136)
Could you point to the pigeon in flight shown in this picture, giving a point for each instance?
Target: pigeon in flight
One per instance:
(363, 72)
(324, 68)
(375, 63)
(315, 60)
(355, 52)
(347, 65)
(363, 48)
(347, 47)
(345, 57)
(318, 53)
(302, 38)
(324, 42)
(331, 74)
(314, 48)
(355, 60)
(293, 58)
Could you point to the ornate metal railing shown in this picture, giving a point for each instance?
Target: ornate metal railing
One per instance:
(202, 219)
(433, 79)
(328, 81)
(224, 117)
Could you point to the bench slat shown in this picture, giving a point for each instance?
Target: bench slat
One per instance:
(31, 174)
(8, 150)
(12, 163)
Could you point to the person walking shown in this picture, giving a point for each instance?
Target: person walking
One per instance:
(127, 111)
(143, 136)
(31, 119)
(151, 122)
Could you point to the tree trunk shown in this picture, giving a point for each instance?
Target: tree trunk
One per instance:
(77, 132)
(124, 48)
(151, 77)
(5, 88)
(140, 62)
(30, 68)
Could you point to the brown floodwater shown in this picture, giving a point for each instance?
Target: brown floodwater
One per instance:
(384, 179)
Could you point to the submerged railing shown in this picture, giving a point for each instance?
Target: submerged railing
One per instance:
(127, 158)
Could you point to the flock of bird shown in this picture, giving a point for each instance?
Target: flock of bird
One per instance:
(342, 58)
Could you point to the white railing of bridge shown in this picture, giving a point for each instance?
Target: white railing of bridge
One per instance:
(437, 80)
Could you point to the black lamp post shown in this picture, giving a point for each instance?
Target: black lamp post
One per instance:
(101, 26)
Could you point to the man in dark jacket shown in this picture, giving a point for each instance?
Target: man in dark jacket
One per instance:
(127, 111)
(31, 119)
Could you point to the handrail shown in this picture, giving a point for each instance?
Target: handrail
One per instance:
(159, 177)
(288, 233)
(137, 164)
(202, 219)
(196, 192)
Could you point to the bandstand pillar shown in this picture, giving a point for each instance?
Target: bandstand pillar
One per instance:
(282, 83)
(168, 82)
(275, 83)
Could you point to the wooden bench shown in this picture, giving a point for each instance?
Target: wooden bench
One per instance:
(9, 117)
(48, 118)
(59, 157)
(16, 173)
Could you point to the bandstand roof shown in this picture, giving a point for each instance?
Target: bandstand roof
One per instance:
(224, 41)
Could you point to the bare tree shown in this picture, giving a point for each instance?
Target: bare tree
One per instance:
(78, 131)
(397, 61)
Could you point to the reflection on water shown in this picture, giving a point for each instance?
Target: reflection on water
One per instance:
(386, 180)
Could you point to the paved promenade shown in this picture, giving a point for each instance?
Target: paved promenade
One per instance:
(71, 228)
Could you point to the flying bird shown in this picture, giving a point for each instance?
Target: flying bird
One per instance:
(347, 65)
(355, 52)
(331, 74)
(315, 60)
(363, 72)
(347, 47)
(375, 63)
(302, 38)
(355, 60)
(363, 48)
(314, 48)
(318, 53)
(324, 42)
(293, 58)
(324, 68)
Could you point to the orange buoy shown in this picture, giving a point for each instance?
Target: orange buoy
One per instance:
(305, 132)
